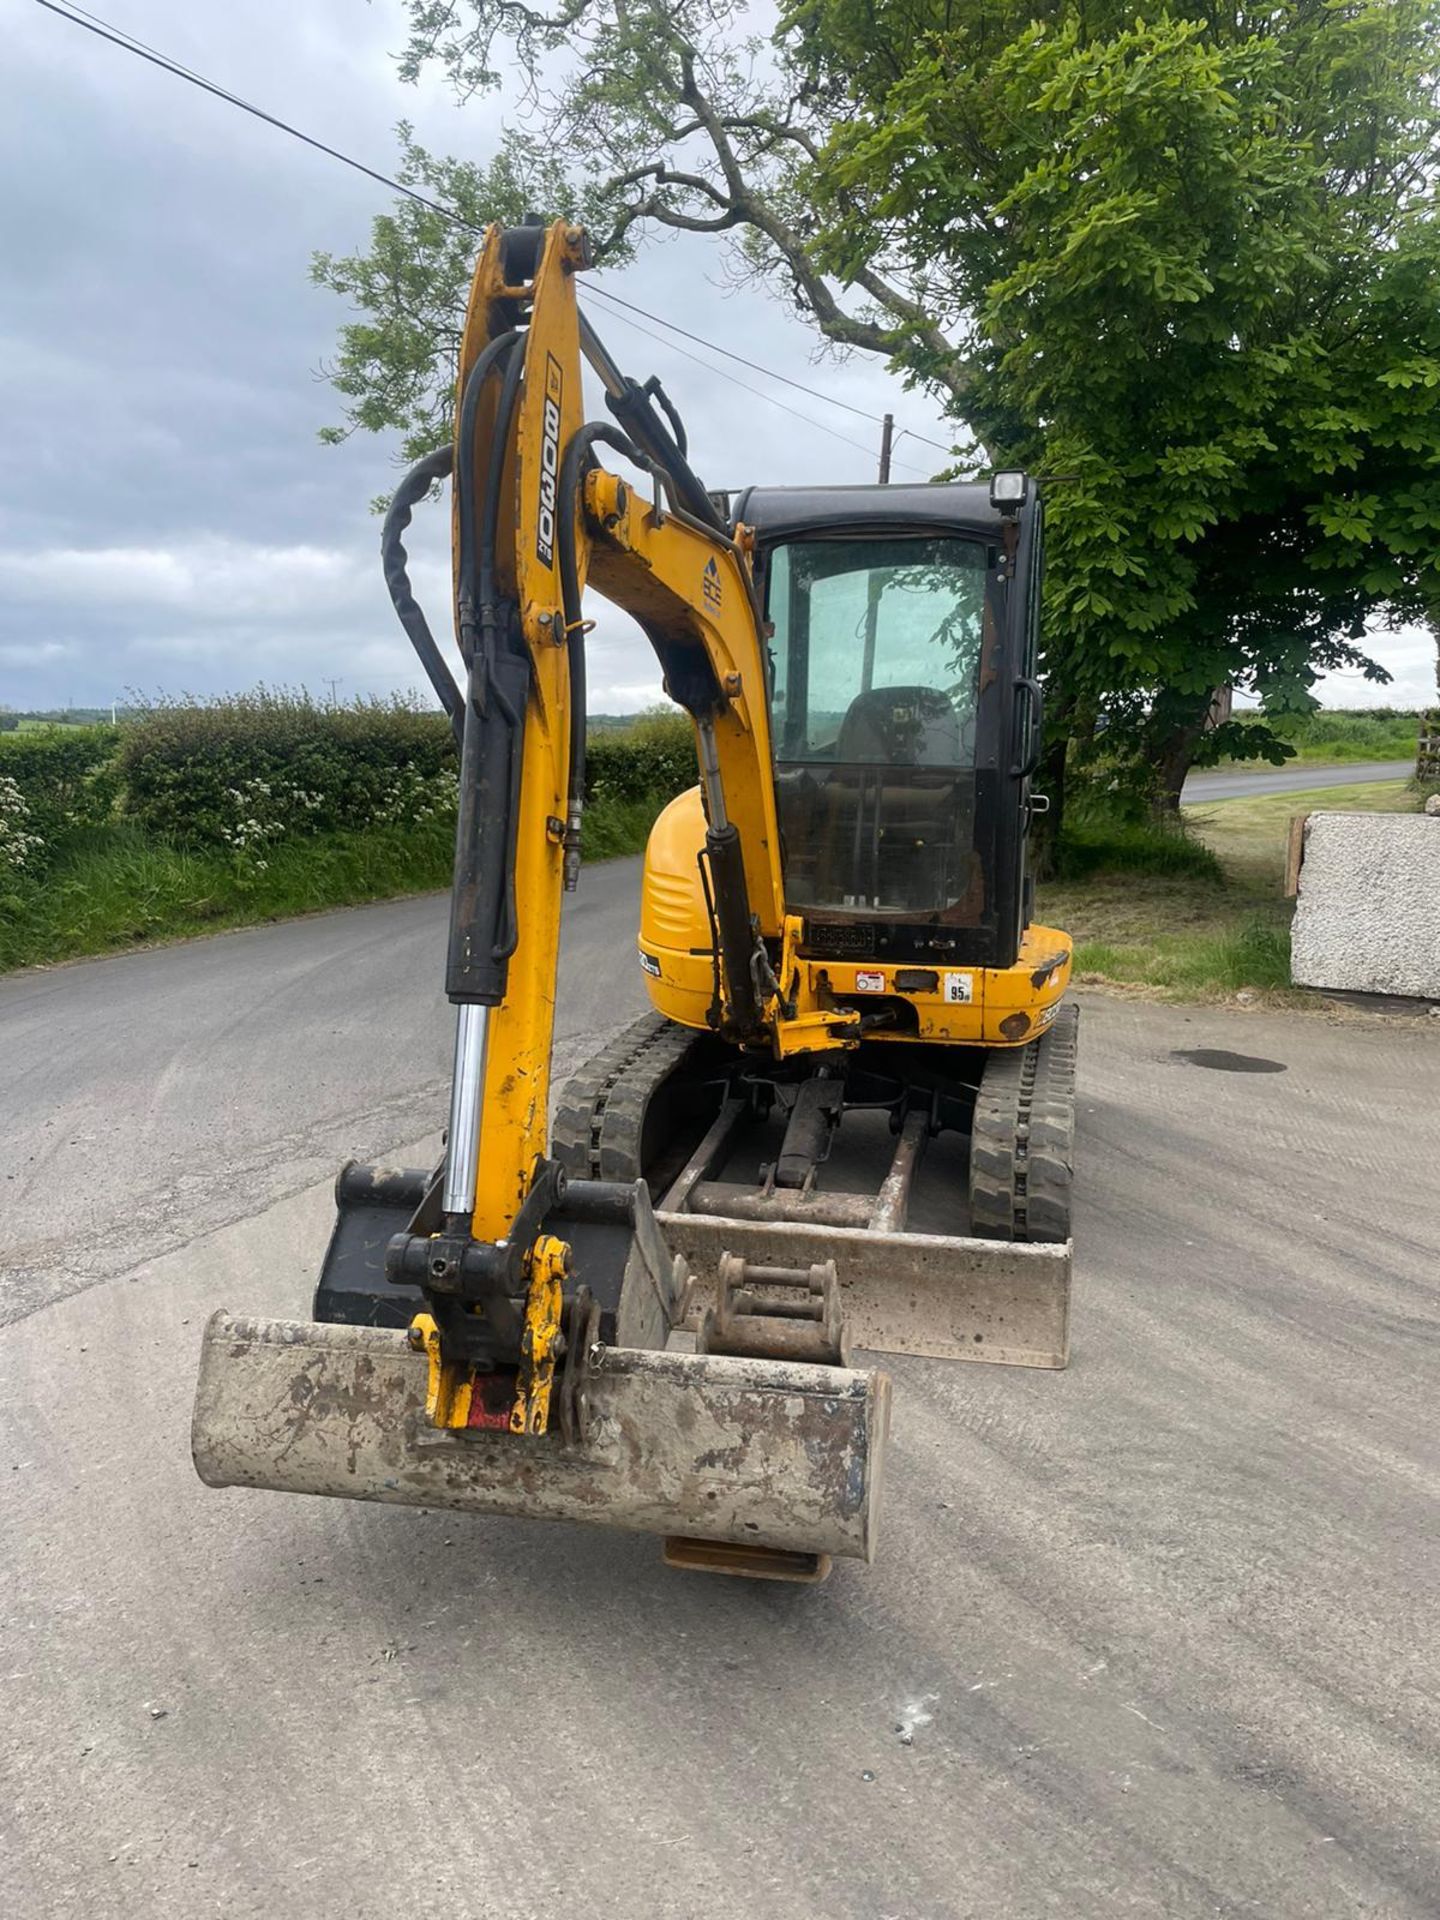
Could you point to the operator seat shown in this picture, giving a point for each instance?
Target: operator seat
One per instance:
(901, 727)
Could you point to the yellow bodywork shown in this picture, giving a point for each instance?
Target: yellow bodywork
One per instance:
(1004, 1007)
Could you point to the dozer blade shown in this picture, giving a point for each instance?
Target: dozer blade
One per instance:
(752, 1453)
(946, 1296)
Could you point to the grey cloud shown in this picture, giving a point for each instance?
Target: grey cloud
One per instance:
(158, 365)
(168, 519)
(158, 352)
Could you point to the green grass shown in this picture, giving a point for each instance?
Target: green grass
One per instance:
(1248, 835)
(1332, 737)
(116, 887)
(1201, 919)
(1094, 845)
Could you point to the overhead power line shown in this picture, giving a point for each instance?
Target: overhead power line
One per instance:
(819, 425)
(755, 366)
(79, 16)
(92, 23)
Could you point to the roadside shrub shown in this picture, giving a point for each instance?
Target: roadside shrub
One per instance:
(654, 758)
(249, 770)
(54, 782)
(1100, 837)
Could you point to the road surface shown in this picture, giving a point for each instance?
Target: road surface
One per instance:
(1234, 786)
(1154, 1636)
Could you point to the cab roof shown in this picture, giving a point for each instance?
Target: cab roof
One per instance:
(785, 513)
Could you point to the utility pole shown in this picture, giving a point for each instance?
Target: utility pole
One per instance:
(887, 432)
(333, 684)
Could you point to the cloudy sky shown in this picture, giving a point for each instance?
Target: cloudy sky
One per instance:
(168, 520)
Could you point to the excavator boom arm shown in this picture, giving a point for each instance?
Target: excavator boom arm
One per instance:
(537, 520)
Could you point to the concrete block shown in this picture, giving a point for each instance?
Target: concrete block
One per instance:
(1367, 917)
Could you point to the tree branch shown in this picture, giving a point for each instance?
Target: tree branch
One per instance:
(811, 287)
(667, 177)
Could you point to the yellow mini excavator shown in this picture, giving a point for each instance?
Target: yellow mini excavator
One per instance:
(849, 1117)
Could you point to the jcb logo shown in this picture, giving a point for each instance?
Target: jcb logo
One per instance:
(549, 463)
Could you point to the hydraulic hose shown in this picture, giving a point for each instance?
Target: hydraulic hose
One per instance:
(484, 927)
(394, 559)
(571, 477)
(467, 586)
(632, 405)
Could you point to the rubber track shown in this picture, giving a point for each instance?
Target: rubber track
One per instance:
(1022, 1148)
(600, 1118)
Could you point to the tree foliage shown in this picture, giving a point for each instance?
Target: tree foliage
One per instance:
(396, 365)
(1184, 266)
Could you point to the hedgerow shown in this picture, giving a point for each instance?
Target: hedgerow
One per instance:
(53, 783)
(251, 769)
(654, 757)
(245, 774)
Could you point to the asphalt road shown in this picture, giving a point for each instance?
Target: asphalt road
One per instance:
(1234, 786)
(1154, 1636)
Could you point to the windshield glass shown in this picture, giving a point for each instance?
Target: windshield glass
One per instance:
(876, 650)
(876, 653)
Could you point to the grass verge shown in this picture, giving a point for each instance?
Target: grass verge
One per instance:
(117, 886)
(1196, 911)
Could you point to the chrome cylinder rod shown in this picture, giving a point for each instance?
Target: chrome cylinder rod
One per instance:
(709, 757)
(462, 1142)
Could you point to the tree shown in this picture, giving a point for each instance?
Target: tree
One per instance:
(1186, 268)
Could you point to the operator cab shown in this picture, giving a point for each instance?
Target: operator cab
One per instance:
(904, 713)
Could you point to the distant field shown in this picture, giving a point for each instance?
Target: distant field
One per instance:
(1334, 736)
(71, 717)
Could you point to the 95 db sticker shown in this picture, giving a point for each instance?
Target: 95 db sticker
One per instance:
(869, 982)
(960, 988)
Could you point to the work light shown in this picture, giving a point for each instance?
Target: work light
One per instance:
(1008, 490)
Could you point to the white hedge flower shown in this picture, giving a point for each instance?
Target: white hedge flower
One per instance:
(18, 846)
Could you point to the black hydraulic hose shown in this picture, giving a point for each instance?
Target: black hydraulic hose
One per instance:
(467, 596)
(677, 425)
(494, 473)
(634, 409)
(509, 679)
(394, 559)
(484, 924)
(571, 474)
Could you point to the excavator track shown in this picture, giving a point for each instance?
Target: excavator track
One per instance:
(1022, 1138)
(1022, 1143)
(600, 1121)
